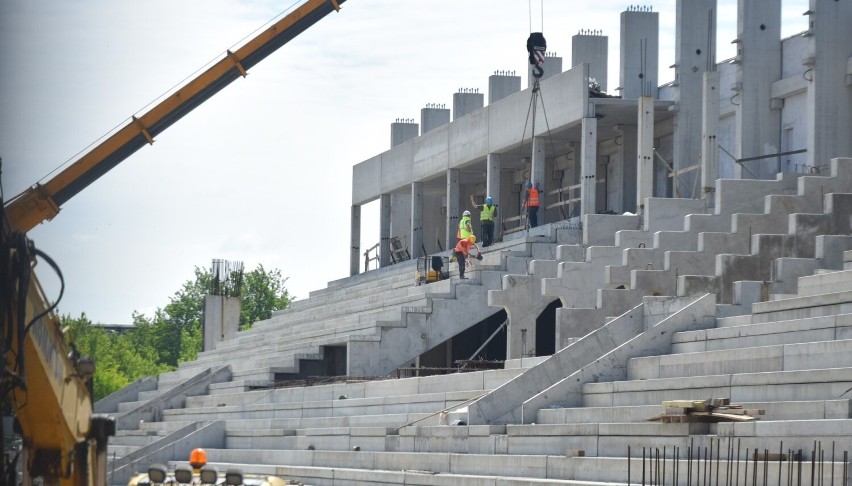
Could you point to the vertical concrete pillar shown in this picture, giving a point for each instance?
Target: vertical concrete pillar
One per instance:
(416, 245)
(384, 230)
(644, 153)
(628, 156)
(758, 126)
(588, 161)
(591, 49)
(492, 183)
(537, 174)
(432, 117)
(221, 319)
(502, 84)
(492, 187)
(355, 240)
(829, 112)
(453, 209)
(467, 100)
(709, 135)
(403, 130)
(640, 52)
(695, 43)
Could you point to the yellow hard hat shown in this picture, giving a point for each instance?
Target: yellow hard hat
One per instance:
(471, 238)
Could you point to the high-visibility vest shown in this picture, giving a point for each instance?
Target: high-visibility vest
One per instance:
(533, 198)
(463, 247)
(464, 228)
(487, 213)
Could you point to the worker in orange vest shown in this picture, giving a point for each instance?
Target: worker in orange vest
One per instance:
(531, 202)
(461, 251)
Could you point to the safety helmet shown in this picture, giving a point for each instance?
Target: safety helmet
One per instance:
(471, 238)
(466, 213)
(488, 200)
(527, 184)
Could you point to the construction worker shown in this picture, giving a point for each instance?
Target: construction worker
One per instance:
(532, 198)
(486, 218)
(465, 228)
(461, 251)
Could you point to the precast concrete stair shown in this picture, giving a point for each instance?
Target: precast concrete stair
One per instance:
(789, 358)
(673, 266)
(420, 330)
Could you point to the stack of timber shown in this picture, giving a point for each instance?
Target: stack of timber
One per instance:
(711, 410)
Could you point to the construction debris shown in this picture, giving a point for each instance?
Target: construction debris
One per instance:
(712, 410)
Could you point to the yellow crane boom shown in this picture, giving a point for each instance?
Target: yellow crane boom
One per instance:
(42, 202)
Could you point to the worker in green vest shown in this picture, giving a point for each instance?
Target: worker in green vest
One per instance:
(486, 218)
(465, 228)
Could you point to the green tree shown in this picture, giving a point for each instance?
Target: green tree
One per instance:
(118, 360)
(173, 333)
(262, 293)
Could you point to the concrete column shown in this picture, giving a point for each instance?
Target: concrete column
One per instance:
(355, 240)
(415, 247)
(695, 42)
(466, 101)
(591, 49)
(588, 161)
(640, 52)
(644, 153)
(432, 117)
(758, 126)
(403, 130)
(453, 209)
(492, 183)
(221, 319)
(492, 187)
(502, 84)
(629, 146)
(829, 112)
(709, 135)
(537, 174)
(384, 230)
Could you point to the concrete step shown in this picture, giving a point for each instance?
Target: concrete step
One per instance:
(764, 334)
(782, 357)
(778, 410)
(424, 402)
(801, 385)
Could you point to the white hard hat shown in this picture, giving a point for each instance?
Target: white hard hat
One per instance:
(466, 213)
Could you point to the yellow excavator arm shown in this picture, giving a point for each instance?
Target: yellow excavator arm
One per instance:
(48, 387)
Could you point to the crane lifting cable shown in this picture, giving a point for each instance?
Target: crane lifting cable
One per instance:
(536, 47)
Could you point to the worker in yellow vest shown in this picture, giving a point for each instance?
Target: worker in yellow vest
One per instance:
(486, 219)
(465, 228)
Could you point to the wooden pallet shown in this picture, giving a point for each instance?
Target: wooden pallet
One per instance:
(712, 410)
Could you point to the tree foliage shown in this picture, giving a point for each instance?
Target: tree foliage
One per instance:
(173, 333)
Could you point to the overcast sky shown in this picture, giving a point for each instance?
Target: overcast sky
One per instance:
(260, 173)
